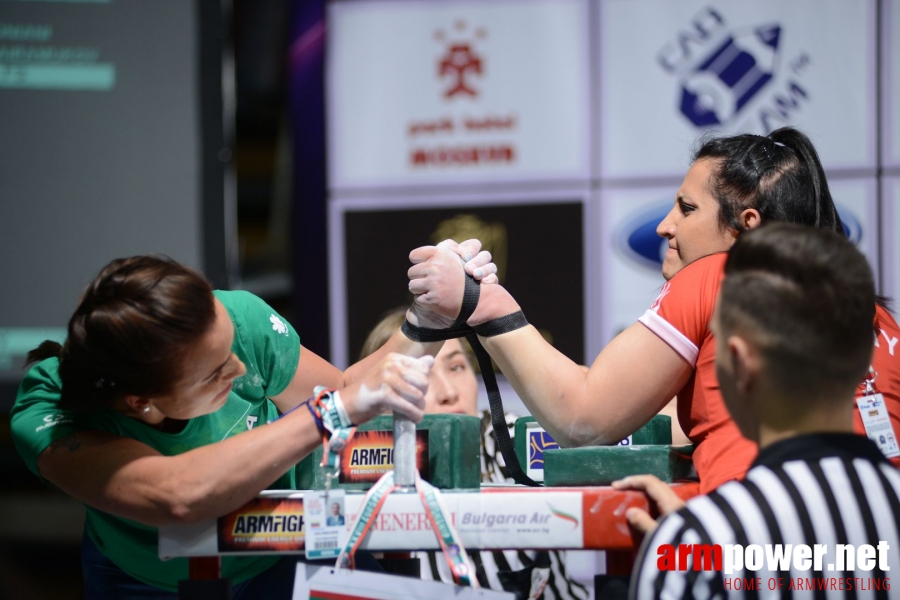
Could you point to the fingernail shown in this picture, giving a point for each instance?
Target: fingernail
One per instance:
(468, 256)
(479, 273)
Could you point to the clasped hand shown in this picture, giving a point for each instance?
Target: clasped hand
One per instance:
(437, 279)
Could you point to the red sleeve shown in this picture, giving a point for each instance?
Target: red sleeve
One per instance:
(885, 362)
(681, 313)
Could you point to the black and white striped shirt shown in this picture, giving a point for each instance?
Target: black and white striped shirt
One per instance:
(514, 567)
(824, 489)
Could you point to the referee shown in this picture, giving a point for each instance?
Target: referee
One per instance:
(794, 333)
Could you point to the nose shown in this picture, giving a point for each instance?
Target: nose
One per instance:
(666, 227)
(234, 369)
(443, 390)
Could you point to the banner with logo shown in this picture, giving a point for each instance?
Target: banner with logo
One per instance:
(537, 241)
(631, 251)
(370, 454)
(890, 83)
(890, 225)
(669, 71)
(446, 92)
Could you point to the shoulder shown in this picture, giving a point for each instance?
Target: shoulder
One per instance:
(36, 419)
(250, 312)
(884, 320)
(239, 301)
(709, 269)
(681, 313)
(41, 384)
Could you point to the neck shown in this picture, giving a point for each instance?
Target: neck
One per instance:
(830, 418)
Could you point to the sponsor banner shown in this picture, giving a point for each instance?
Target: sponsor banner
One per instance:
(538, 442)
(448, 92)
(263, 525)
(890, 83)
(370, 454)
(494, 517)
(631, 251)
(548, 520)
(890, 225)
(670, 71)
(857, 203)
(537, 240)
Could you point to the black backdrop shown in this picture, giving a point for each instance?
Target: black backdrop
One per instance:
(543, 266)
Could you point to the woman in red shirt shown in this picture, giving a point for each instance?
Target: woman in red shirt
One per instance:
(734, 184)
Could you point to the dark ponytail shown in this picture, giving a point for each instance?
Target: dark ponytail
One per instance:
(47, 349)
(133, 326)
(780, 175)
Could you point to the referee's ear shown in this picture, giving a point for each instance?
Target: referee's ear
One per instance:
(745, 364)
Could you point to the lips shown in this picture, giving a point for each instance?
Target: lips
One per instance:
(224, 393)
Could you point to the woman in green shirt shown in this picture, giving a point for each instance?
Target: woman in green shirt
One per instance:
(172, 403)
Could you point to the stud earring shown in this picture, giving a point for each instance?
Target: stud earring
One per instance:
(146, 409)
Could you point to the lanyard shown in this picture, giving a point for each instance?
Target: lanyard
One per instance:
(437, 514)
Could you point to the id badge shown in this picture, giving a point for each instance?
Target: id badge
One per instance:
(327, 532)
(877, 423)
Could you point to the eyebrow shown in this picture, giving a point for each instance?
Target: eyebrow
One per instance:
(453, 355)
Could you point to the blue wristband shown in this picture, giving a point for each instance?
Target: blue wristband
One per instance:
(308, 404)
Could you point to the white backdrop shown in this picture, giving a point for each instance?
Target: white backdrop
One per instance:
(609, 97)
(890, 225)
(510, 103)
(808, 63)
(890, 61)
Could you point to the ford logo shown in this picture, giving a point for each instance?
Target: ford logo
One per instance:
(636, 238)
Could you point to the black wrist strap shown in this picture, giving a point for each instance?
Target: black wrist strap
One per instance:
(491, 328)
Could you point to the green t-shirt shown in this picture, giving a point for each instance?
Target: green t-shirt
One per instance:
(270, 349)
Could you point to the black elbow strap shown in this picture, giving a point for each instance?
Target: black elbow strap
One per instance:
(459, 329)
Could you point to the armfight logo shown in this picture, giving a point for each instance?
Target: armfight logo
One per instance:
(636, 238)
(733, 77)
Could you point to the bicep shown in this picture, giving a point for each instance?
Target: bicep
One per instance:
(634, 377)
(114, 474)
(312, 370)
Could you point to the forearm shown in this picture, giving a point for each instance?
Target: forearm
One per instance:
(628, 383)
(552, 387)
(127, 478)
(213, 480)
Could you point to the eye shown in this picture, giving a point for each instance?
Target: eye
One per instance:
(685, 207)
(215, 378)
(458, 367)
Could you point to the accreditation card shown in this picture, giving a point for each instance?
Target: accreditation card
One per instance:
(877, 422)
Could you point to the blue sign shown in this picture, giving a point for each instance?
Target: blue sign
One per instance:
(538, 442)
(637, 239)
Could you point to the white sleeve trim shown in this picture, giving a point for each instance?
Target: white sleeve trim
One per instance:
(674, 338)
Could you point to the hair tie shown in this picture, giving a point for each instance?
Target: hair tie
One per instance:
(102, 383)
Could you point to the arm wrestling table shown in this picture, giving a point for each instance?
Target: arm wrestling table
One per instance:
(494, 517)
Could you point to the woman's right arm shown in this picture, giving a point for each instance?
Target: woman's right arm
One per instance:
(629, 382)
(130, 479)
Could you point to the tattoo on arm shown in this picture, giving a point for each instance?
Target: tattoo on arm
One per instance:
(69, 441)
